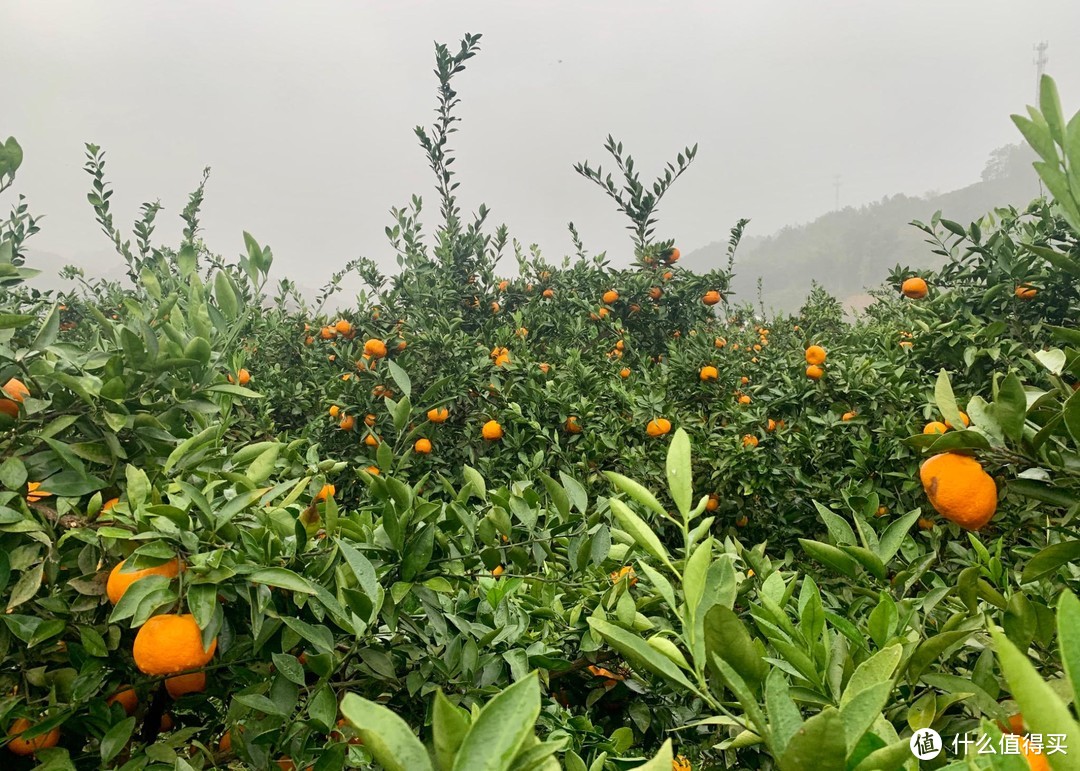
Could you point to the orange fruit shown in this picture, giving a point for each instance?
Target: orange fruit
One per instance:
(709, 372)
(369, 420)
(422, 446)
(656, 293)
(668, 275)
(814, 372)
(624, 373)
(497, 571)
(1026, 292)
(438, 414)
(170, 643)
(935, 427)
(16, 390)
(610, 296)
(626, 571)
(1036, 760)
(959, 489)
(325, 492)
(744, 380)
(914, 288)
(334, 410)
(195, 682)
(347, 423)
(309, 340)
(572, 425)
(744, 399)
(673, 255)
(119, 581)
(371, 440)
(343, 327)
(375, 348)
(495, 307)
(925, 524)
(547, 294)
(285, 764)
(127, 698)
(713, 503)
(327, 333)
(749, 440)
(815, 354)
(848, 416)
(712, 297)
(492, 431)
(963, 418)
(719, 342)
(24, 747)
(373, 470)
(544, 367)
(742, 521)
(771, 425)
(906, 344)
(658, 427)
(503, 285)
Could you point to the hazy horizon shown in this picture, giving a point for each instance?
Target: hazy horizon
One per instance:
(305, 113)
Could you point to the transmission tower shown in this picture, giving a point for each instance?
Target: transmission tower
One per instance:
(1039, 61)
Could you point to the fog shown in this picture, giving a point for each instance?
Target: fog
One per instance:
(305, 112)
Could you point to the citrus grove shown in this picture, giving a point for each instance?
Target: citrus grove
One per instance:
(563, 516)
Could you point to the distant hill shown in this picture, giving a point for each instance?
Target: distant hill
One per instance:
(850, 250)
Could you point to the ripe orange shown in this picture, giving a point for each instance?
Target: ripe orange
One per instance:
(373, 470)
(334, 410)
(547, 294)
(544, 367)
(127, 698)
(815, 354)
(626, 571)
(343, 327)
(935, 427)
(742, 521)
(610, 296)
(371, 440)
(656, 293)
(16, 390)
(712, 297)
(492, 431)
(713, 503)
(438, 414)
(906, 344)
(170, 643)
(375, 348)
(347, 423)
(178, 686)
(497, 571)
(624, 373)
(495, 307)
(503, 285)
(848, 416)
(771, 425)
(1036, 760)
(369, 420)
(959, 489)
(327, 333)
(814, 372)
(658, 427)
(325, 492)
(422, 446)
(914, 287)
(744, 380)
(709, 372)
(24, 747)
(668, 275)
(119, 582)
(603, 313)
(925, 524)
(719, 342)
(572, 425)
(749, 440)
(744, 399)
(1026, 292)
(673, 255)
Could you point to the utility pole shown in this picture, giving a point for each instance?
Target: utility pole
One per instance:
(836, 187)
(1039, 61)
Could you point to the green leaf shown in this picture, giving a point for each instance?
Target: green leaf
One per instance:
(401, 377)
(225, 295)
(14, 320)
(234, 390)
(1010, 407)
(1050, 107)
(818, 745)
(205, 436)
(661, 761)
(449, 725)
(386, 736)
(1050, 559)
(12, 473)
(476, 480)
(289, 667)
(418, 553)
(679, 473)
(927, 652)
(495, 736)
(116, 738)
(1044, 492)
(694, 574)
(839, 529)
(784, 718)
(1068, 623)
(1044, 711)
(640, 531)
(48, 331)
(727, 637)
(640, 653)
(946, 402)
(236, 505)
(281, 577)
(894, 535)
(863, 710)
(636, 491)
(831, 556)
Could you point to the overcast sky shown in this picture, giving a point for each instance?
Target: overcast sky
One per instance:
(305, 110)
